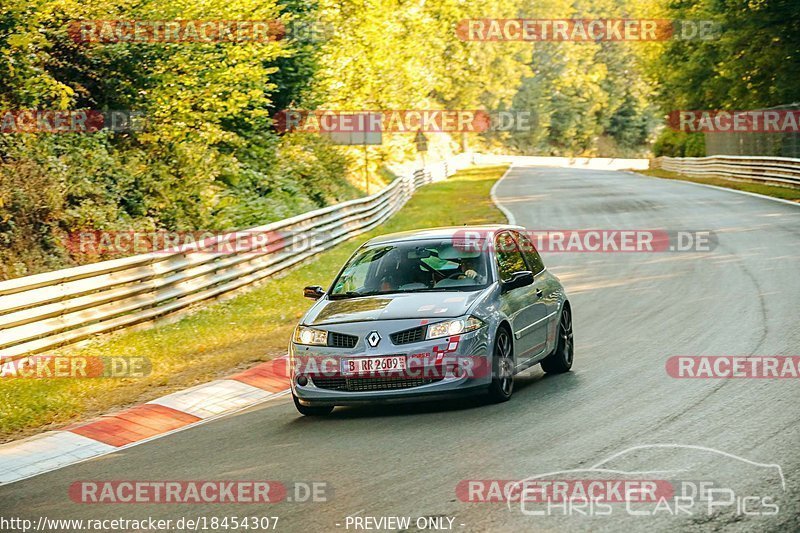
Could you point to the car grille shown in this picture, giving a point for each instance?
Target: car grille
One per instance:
(409, 335)
(371, 384)
(340, 340)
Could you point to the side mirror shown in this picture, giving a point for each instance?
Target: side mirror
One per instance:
(314, 292)
(518, 279)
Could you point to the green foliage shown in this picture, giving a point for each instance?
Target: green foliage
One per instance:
(673, 143)
(208, 159)
(588, 98)
(211, 159)
(751, 63)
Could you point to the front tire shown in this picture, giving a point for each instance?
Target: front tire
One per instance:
(560, 360)
(312, 410)
(502, 385)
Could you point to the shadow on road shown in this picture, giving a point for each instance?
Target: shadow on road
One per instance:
(529, 388)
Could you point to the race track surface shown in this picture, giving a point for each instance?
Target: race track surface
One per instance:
(632, 311)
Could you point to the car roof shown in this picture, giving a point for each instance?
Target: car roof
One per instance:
(439, 233)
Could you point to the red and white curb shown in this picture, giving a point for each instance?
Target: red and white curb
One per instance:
(55, 449)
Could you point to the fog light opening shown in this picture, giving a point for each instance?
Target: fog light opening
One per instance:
(302, 381)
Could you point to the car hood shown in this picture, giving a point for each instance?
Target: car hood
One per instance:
(446, 304)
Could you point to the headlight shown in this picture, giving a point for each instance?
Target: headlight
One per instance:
(453, 327)
(304, 335)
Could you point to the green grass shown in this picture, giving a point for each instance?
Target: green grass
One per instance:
(231, 335)
(785, 193)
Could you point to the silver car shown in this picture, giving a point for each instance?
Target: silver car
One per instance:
(429, 314)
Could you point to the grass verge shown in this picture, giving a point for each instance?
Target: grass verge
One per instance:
(231, 335)
(784, 193)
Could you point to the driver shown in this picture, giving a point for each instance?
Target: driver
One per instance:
(469, 268)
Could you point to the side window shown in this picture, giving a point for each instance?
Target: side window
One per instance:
(509, 258)
(529, 251)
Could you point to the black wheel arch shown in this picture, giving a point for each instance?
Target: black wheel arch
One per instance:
(504, 324)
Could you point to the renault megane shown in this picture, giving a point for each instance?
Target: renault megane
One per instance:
(429, 314)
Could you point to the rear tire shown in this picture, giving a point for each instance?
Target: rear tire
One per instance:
(502, 385)
(312, 410)
(560, 360)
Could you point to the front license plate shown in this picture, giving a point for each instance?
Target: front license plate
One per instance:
(366, 365)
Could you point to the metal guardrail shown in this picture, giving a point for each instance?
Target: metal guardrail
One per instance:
(783, 171)
(45, 311)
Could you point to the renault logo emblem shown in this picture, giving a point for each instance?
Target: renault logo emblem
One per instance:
(373, 339)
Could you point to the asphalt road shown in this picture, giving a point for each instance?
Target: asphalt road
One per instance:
(632, 312)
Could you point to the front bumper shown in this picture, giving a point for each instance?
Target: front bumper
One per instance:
(434, 376)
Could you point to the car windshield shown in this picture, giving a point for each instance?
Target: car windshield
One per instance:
(416, 266)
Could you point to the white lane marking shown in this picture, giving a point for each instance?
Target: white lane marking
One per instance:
(508, 214)
(747, 193)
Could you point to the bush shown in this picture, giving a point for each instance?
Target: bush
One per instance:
(31, 206)
(671, 143)
(52, 186)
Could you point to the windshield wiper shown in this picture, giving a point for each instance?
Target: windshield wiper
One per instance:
(352, 294)
(346, 294)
